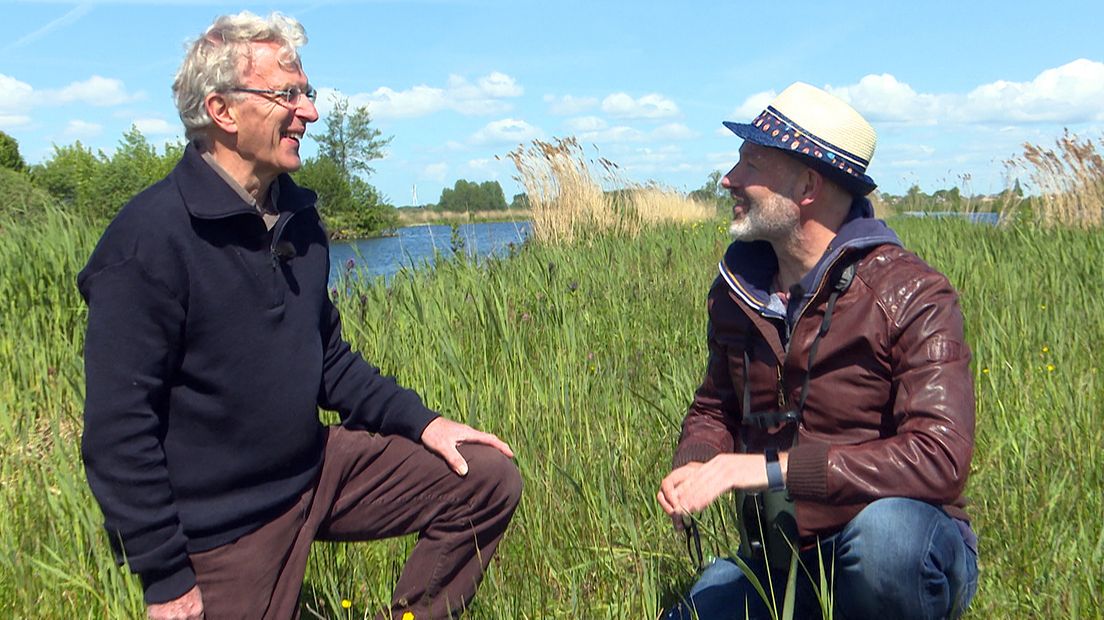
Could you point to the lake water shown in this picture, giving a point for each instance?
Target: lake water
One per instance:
(417, 247)
(977, 218)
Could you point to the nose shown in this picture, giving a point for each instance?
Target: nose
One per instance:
(307, 111)
(728, 181)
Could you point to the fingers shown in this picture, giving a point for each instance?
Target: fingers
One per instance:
(442, 436)
(491, 440)
(455, 460)
(669, 499)
(672, 512)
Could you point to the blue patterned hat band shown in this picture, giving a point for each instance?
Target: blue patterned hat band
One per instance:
(795, 138)
(820, 129)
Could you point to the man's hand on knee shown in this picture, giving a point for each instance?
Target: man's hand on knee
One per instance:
(442, 436)
(187, 607)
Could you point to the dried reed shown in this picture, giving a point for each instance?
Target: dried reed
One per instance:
(568, 201)
(1069, 180)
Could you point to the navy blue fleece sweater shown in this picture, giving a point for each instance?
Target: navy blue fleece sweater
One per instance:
(211, 343)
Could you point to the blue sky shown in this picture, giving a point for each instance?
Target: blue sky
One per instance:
(953, 88)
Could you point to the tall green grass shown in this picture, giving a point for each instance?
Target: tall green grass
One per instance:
(584, 359)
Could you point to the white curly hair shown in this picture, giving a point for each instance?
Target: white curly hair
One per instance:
(217, 59)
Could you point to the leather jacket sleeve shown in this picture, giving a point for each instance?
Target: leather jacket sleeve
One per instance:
(707, 429)
(926, 452)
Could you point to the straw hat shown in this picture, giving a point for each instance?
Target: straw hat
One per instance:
(823, 131)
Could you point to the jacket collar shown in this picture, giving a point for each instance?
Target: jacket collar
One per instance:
(749, 267)
(206, 195)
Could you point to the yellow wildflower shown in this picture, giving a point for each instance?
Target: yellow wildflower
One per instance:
(1050, 367)
(408, 616)
(984, 371)
(346, 603)
(1046, 349)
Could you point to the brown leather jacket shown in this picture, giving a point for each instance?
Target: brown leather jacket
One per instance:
(890, 405)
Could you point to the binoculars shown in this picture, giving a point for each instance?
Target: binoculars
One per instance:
(768, 527)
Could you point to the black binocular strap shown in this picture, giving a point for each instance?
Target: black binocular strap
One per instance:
(770, 419)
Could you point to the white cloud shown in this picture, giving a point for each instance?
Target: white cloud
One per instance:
(156, 127)
(619, 133)
(673, 131)
(624, 133)
(500, 85)
(751, 107)
(882, 98)
(585, 123)
(387, 103)
(18, 95)
(1067, 94)
(1071, 93)
(485, 96)
(647, 160)
(485, 166)
(621, 105)
(436, 172)
(8, 121)
(506, 131)
(568, 104)
(82, 129)
(96, 91)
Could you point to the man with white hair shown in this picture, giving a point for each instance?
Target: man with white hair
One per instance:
(212, 342)
(837, 402)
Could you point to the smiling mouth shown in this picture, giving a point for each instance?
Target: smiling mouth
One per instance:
(297, 136)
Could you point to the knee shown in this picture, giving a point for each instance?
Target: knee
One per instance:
(899, 558)
(493, 476)
(893, 530)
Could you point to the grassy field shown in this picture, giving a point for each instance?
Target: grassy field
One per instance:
(584, 359)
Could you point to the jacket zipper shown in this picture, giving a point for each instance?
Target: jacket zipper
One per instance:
(782, 399)
(281, 225)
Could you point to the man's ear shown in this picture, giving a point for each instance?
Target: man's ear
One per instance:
(222, 113)
(809, 187)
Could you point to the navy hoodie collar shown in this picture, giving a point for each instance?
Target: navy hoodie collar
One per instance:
(207, 196)
(749, 267)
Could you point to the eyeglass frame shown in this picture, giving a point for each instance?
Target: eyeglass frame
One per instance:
(282, 94)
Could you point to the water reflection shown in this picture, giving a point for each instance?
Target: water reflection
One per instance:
(417, 247)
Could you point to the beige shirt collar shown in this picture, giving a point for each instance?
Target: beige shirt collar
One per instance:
(267, 210)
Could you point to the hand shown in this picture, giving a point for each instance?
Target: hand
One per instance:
(694, 486)
(187, 607)
(668, 496)
(442, 436)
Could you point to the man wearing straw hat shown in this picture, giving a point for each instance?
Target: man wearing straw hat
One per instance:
(212, 342)
(837, 402)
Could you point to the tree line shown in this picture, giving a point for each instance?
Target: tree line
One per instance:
(95, 185)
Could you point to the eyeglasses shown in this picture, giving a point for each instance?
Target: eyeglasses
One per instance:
(291, 96)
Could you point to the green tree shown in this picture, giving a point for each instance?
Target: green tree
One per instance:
(350, 205)
(916, 200)
(9, 154)
(350, 140)
(22, 199)
(711, 193)
(469, 196)
(97, 186)
(520, 202)
(68, 173)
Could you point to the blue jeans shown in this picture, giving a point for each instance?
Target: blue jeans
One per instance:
(899, 558)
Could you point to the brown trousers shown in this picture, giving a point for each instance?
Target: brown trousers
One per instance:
(373, 487)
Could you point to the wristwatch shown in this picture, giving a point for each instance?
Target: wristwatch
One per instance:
(774, 471)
